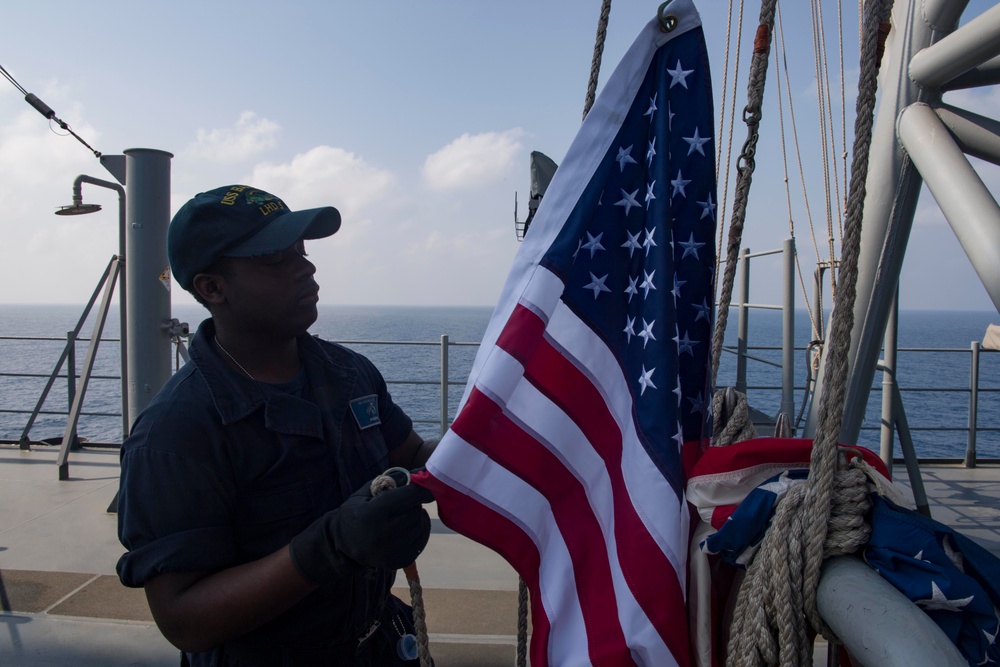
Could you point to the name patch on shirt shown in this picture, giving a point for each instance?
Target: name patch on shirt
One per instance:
(365, 410)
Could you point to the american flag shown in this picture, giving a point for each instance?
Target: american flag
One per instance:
(590, 392)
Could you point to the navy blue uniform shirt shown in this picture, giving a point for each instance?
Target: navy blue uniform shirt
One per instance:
(221, 470)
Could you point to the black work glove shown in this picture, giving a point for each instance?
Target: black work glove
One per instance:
(388, 531)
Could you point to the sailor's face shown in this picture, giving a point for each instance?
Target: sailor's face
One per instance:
(275, 291)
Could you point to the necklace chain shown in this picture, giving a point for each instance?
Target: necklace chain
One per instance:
(233, 359)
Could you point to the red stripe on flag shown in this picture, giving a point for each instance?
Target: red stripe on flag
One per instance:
(659, 595)
(495, 531)
(483, 425)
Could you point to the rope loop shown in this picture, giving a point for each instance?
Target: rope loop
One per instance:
(386, 482)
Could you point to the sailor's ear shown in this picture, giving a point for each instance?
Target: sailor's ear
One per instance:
(210, 287)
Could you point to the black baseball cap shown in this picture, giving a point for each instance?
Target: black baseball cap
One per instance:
(238, 221)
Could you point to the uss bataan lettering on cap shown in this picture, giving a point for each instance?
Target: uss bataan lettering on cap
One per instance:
(267, 202)
(365, 411)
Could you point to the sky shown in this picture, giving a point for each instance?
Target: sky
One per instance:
(416, 121)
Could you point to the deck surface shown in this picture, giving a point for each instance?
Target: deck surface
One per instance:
(62, 603)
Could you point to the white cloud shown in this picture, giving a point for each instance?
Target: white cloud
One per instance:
(251, 135)
(984, 101)
(472, 160)
(325, 176)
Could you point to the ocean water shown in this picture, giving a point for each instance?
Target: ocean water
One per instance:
(33, 337)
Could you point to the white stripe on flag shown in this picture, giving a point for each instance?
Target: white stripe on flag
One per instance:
(508, 495)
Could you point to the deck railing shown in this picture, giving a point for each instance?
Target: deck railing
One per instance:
(441, 414)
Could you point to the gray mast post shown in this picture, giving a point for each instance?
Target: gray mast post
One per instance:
(147, 183)
(893, 186)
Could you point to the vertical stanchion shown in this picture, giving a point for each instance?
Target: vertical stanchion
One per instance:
(889, 384)
(444, 383)
(70, 369)
(742, 325)
(788, 331)
(970, 447)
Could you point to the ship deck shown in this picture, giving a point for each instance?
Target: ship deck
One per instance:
(63, 604)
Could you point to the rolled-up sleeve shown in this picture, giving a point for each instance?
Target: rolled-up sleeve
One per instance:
(174, 506)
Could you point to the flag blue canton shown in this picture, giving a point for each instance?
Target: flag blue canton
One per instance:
(638, 256)
(946, 574)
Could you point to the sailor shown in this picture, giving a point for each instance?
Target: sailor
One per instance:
(245, 502)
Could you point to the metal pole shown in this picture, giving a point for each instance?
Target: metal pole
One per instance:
(148, 276)
(743, 324)
(973, 44)
(967, 204)
(817, 303)
(909, 454)
(444, 384)
(122, 283)
(788, 331)
(69, 436)
(878, 624)
(70, 368)
(970, 448)
(889, 384)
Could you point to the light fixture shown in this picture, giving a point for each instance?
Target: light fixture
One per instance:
(78, 208)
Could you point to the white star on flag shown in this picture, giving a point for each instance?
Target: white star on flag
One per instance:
(939, 600)
(647, 332)
(652, 107)
(646, 380)
(679, 75)
(647, 283)
(593, 244)
(679, 184)
(632, 243)
(696, 142)
(649, 243)
(629, 329)
(631, 289)
(690, 247)
(708, 208)
(597, 284)
(628, 201)
(625, 157)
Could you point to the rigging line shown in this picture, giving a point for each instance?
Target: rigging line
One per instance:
(729, 143)
(778, 61)
(829, 112)
(843, 99)
(7, 76)
(798, 153)
(825, 158)
(725, 91)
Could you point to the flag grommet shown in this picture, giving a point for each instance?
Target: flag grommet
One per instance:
(668, 22)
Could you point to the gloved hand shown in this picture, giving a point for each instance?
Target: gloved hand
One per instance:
(387, 531)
